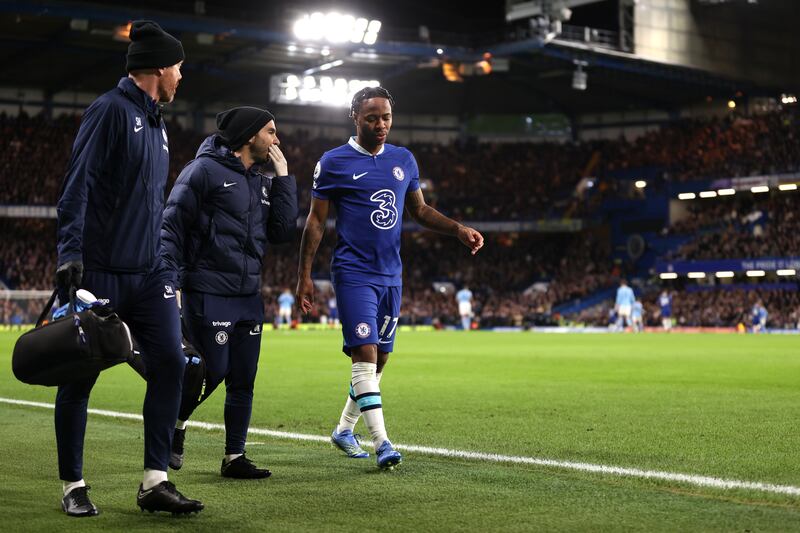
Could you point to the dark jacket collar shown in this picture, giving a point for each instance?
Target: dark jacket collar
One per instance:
(214, 148)
(139, 97)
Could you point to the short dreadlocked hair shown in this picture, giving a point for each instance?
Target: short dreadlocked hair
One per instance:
(365, 94)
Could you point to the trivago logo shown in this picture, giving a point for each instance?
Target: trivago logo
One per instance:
(221, 324)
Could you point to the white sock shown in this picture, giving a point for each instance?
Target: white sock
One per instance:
(231, 456)
(368, 398)
(181, 424)
(69, 485)
(351, 413)
(152, 478)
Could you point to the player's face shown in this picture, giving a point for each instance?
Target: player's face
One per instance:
(373, 121)
(266, 136)
(168, 82)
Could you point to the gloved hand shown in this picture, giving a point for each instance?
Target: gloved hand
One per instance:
(69, 275)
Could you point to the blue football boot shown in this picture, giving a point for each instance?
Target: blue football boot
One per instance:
(388, 457)
(348, 443)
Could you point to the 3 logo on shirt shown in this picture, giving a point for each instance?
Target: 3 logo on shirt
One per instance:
(363, 330)
(398, 174)
(385, 217)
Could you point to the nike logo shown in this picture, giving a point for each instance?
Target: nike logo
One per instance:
(226, 184)
(383, 342)
(137, 130)
(168, 296)
(356, 176)
(256, 331)
(143, 493)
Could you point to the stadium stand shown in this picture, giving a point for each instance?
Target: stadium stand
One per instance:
(748, 226)
(520, 277)
(537, 178)
(730, 146)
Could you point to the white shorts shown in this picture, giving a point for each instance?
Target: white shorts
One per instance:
(624, 311)
(465, 308)
(285, 312)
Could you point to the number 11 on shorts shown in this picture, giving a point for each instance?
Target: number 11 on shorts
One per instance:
(386, 320)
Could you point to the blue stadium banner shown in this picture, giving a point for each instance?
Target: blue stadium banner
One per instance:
(734, 265)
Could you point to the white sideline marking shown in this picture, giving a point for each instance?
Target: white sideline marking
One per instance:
(691, 479)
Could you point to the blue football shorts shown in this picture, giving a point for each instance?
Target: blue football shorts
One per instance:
(368, 314)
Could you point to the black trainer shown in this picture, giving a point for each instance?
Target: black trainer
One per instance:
(165, 497)
(243, 468)
(77, 503)
(176, 456)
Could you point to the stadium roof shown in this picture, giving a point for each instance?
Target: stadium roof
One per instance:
(61, 46)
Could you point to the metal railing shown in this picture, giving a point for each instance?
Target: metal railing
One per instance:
(595, 36)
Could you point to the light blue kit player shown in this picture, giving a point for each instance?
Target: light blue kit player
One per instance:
(369, 183)
(624, 304)
(637, 313)
(285, 303)
(464, 299)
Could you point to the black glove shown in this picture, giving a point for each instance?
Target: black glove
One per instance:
(69, 275)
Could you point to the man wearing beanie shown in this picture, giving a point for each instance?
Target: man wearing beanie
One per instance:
(109, 221)
(219, 218)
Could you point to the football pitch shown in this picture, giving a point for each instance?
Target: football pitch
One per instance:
(618, 415)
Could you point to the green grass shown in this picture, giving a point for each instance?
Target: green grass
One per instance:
(717, 405)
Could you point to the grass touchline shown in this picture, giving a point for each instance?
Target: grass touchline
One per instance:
(691, 479)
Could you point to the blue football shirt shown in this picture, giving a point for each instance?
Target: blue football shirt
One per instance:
(665, 301)
(369, 194)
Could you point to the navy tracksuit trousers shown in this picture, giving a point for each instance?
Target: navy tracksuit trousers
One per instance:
(227, 331)
(146, 303)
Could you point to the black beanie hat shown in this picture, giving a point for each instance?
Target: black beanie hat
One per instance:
(238, 124)
(152, 47)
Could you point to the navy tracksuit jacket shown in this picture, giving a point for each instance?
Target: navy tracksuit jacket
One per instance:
(109, 216)
(218, 221)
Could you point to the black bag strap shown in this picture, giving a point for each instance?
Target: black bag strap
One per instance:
(47, 307)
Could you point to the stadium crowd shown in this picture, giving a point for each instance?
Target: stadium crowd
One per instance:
(729, 146)
(468, 180)
(748, 227)
(518, 278)
(27, 256)
(516, 282)
(721, 306)
(726, 307)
